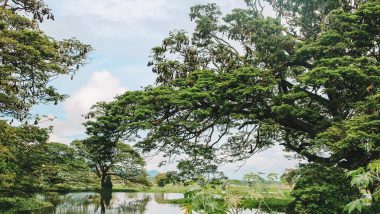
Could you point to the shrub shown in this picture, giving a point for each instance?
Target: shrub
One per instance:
(321, 190)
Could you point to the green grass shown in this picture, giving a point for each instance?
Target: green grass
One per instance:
(274, 196)
(270, 190)
(23, 204)
(165, 189)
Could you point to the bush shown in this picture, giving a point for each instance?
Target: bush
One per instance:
(321, 190)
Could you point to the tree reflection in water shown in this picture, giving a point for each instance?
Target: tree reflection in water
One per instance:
(137, 206)
(108, 203)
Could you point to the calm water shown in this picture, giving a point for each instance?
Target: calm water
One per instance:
(128, 203)
(115, 203)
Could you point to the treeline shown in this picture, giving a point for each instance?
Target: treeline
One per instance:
(30, 164)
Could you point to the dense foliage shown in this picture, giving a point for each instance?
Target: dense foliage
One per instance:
(217, 103)
(320, 190)
(29, 61)
(29, 164)
(307, 79)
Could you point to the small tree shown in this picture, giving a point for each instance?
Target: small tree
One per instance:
(272, 177)
(366, 178)
(160, 179)
(120, 161)
(253, 178)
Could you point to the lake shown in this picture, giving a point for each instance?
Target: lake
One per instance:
(117, 203)
(114, 203)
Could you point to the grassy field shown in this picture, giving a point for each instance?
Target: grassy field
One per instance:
(266, 189)
(273, 190)
(275, 196)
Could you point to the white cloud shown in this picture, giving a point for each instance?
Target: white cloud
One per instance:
(127, 27)
(116, 10)
(102, 86)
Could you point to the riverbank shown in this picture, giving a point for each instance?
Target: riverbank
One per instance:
(23, 204)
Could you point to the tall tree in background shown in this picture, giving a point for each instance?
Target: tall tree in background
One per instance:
(244, 82)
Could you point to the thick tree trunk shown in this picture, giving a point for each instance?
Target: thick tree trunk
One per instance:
(106, 182)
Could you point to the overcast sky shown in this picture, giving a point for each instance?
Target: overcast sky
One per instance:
(122, 32)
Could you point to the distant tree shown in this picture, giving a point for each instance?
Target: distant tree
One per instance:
(120, 161)
(272, 177)
(160, 179)
(189, 171)
(16, 144)
(29, 163)
(55, 166)
(253, 179)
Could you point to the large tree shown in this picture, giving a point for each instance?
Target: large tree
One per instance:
(307, 79)
(245, 82)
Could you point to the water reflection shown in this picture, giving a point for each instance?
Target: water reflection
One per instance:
(112, 203)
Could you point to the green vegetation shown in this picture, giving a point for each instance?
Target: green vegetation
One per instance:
(30, 59)
(119, 161)
(244, 82)
(240, 83)
(316, 185)
(23, 204)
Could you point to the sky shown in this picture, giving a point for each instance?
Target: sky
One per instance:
(122, 33)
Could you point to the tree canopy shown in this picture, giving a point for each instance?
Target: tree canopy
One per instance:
(244, 82)
(30, 59)
(106, 161)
